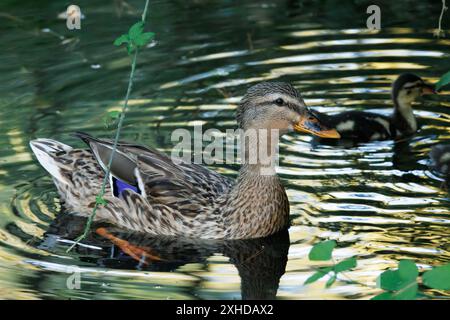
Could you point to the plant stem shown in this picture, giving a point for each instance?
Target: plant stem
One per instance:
(440, 31)
(116, 141)
(144, 14)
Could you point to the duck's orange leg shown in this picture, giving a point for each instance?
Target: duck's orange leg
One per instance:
(141, 254)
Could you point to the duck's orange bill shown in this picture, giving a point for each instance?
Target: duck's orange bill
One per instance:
(310, 124)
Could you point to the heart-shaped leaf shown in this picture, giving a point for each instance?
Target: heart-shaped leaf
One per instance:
(438, 278)
(391, 280)
(322, 251)
(408, 270)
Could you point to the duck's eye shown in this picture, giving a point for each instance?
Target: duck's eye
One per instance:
(408, 91)
(279, 102)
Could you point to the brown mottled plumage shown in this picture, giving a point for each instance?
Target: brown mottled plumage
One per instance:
(184, 199)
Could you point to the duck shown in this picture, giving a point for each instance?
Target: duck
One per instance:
(440, 160)
(150, 192)
(367, 126)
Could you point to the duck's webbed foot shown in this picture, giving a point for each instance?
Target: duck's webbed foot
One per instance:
(144, 255)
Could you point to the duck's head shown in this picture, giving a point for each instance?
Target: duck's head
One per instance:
(279, 106)
(408, 87)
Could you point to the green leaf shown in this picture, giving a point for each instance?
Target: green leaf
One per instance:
(135, 38)
(331, 281)
(345, 265)
(445, 79)
(114, 114)
(407, 293)
(122, 39)
(408, 270)
(144, 38)
(438, 278)
(384, 296)
(402, 281)
(317, 275)
(391, 280)
(394, 280)
(322, 251)
(136, 30)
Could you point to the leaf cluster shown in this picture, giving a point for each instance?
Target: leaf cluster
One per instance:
(135, 38)
(323, 251)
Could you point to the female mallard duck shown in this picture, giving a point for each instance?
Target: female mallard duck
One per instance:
(366, 126)
(150, 192)
(440, 160)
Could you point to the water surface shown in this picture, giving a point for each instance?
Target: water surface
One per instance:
(379, 200)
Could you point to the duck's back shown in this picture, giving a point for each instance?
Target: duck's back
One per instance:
(156, 195)
(359, 125)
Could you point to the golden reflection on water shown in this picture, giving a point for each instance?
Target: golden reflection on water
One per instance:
(343, 42)
(349, 55)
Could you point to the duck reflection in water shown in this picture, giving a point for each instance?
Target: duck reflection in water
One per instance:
(260, 262)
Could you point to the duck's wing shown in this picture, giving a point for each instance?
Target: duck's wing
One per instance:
(186, 187)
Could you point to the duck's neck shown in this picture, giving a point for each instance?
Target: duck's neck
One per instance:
(404, 119)
(259, 151)
(257, 205)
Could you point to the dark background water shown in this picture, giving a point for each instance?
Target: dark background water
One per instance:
(378, 200)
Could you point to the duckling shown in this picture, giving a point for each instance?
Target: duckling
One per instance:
(367, 126)
(440, 160)
(152, 193)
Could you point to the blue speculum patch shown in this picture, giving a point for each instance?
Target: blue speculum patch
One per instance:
(119, 187)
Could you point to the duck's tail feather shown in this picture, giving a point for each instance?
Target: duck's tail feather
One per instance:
(49, 154)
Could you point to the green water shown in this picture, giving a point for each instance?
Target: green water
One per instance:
(379, 200)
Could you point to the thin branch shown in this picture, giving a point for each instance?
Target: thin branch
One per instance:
(99, 199)
(439, 31)
(144, 14)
